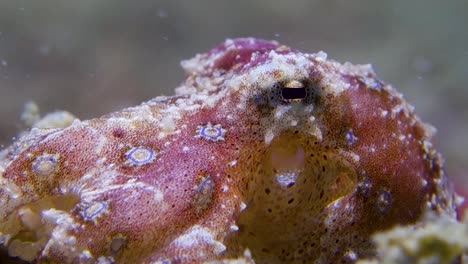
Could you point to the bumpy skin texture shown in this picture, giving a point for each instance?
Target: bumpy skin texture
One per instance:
(295, 157)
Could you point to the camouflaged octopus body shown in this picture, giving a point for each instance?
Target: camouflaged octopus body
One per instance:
(295, 157)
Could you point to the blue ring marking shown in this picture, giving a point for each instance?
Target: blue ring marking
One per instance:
(215, 137)
(140, 162)
(93, 215)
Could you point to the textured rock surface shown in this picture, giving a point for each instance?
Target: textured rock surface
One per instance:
(295, 157)
(435, 240)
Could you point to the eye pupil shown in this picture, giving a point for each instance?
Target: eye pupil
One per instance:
(293, 90)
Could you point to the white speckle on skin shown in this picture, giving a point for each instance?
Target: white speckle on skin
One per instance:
(105, 260)
(321, 56)
(197, 235)
(100, 144)
(351, 255)
(168, 124)
(352, 155)
(101, 161)
(10, 188)
(86, 255)
(269, 135)
(459, 200)
(243, 206)
(281, 110)
(424, 182)
(61, 236)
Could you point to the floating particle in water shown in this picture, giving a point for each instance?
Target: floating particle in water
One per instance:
(162, 13)
(210, 132)
(44, 50)
(140, 156)
(45, 164)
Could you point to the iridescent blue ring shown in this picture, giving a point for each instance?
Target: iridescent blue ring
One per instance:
(219, 133)
(90, 215)
(136, 161)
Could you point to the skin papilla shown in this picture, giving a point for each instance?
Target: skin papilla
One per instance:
(264, 154)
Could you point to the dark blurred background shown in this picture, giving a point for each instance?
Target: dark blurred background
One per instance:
(91, 57)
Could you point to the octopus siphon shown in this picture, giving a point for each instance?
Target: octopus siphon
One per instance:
(264, 154)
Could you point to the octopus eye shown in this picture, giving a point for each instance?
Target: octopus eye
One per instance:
(293, 90)
(286, 92)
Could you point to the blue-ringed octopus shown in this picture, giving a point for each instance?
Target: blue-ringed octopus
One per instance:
(264, 154)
